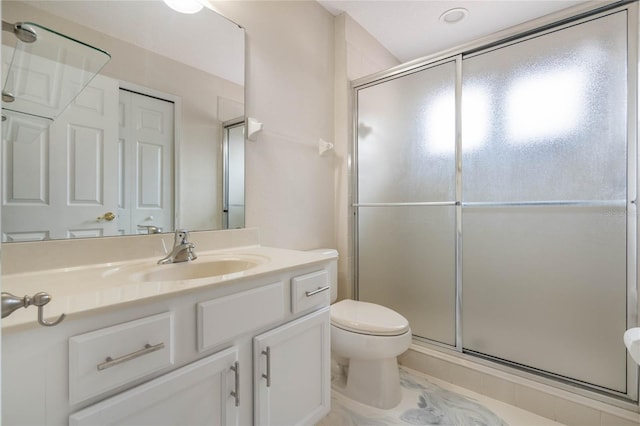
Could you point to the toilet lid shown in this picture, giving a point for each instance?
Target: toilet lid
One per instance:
(368, 318)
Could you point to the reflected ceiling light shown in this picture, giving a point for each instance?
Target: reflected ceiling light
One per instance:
(184, 6)
(453, 16)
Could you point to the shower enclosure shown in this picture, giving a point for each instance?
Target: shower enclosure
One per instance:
(495, 199)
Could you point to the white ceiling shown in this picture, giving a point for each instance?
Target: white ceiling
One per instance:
(412, 29)
(409, 29)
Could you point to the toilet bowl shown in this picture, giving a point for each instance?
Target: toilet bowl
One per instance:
(366, 339)
(370, 337)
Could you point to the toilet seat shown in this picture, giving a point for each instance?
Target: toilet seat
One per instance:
(367, 318)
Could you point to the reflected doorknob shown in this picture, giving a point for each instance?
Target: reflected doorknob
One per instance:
(108, 216)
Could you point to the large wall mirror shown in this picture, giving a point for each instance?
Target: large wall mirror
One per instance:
(154, 142)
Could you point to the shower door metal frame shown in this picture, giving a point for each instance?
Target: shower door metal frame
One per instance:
(538, 27)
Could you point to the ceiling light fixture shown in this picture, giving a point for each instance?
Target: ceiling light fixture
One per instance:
(453, 16)
(184, 6)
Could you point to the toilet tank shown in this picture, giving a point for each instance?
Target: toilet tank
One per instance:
(333, 271)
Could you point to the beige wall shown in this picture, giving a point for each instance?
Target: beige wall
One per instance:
(357, 54)
(365, 54)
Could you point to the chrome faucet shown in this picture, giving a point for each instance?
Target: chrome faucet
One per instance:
(183, 250)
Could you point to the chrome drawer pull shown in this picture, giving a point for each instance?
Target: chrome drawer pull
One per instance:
(236, 393)
(110, 362)
(319, 290)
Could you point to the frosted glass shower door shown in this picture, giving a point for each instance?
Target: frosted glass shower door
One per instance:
(544, 202)
(406, 198)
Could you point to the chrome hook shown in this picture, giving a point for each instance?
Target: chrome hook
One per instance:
(39, 300)
(10, 303)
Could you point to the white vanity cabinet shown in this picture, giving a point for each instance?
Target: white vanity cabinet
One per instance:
(192, 358)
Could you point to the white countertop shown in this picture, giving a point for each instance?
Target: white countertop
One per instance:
(86, 288)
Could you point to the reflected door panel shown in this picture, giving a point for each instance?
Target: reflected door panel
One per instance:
(64, 179)
(146, 171)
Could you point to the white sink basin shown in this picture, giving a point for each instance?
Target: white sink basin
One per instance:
(203, 267)
(194, 270)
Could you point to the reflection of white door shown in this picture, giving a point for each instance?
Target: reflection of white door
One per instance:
(146, 163)
(57, 184)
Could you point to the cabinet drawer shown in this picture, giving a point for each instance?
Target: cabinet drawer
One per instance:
(310, 290)
(110, 357)
(223, 319)
(196, 394)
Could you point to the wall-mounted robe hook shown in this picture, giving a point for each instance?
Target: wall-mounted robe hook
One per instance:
(10, 303)
(324, 146)
(253, 128)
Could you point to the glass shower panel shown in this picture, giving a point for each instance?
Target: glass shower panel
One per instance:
(544, 195)
(545, 287)
(406, 138)
(406, 259)
(545, 119)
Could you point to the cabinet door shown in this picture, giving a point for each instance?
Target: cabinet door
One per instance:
(197, 394)
(292, 382)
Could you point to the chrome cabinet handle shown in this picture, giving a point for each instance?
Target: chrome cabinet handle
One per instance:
(110, 362)
(319, 290)
(236, 393)
(267, 353)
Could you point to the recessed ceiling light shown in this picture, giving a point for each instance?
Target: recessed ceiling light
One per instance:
(455, 15)
(184, 6)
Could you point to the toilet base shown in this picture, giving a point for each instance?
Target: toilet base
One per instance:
(374, 382)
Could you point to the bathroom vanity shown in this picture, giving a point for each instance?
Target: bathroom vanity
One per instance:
(250, 346)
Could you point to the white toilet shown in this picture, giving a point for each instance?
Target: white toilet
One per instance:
(366, 339)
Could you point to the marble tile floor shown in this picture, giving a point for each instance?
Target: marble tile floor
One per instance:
(428, 401)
